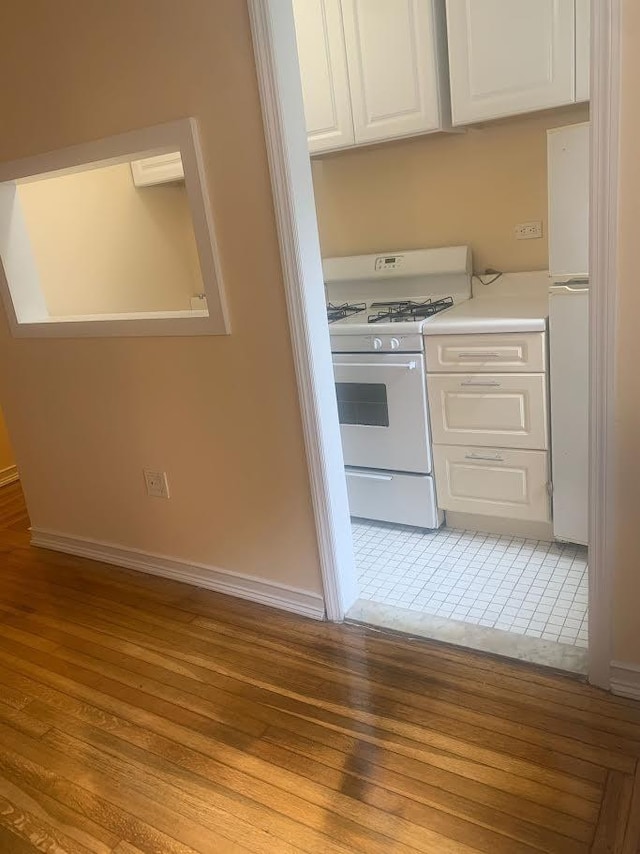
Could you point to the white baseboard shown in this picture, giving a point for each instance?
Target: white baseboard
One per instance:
(625, 679)
(271, 593)
(8, 475)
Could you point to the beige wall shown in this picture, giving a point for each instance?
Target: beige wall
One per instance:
(103, 245)
(220, 414)
(6, 451)
(443, 190)
(627, 565)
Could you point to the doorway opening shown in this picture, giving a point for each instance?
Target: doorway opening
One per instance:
(507, 582)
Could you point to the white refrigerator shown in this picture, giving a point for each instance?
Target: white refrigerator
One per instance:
(568, 168)
(569, 380)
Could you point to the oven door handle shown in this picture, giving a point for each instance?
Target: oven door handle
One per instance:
(406, 366)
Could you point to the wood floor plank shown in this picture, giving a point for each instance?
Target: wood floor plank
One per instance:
(35, 832)
(404, 837)
(123, 654)
(118, 808)
(441, 766)
(607, 749)
(59, 816)
(232, 705)
(632, 832)
(627, 725)
(12, 844)
(614, 814)
(314, 783)
(141, 716)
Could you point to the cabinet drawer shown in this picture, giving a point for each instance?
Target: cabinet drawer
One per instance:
(493, 482)
(505, 410)
(525, 351)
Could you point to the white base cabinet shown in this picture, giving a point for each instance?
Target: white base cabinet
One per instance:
(493, 481)
(507, 352)
(508, 410)
(490, 429)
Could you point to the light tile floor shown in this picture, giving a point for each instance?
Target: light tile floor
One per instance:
(529, 587)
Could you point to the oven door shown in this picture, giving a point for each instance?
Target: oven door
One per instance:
(382, 407)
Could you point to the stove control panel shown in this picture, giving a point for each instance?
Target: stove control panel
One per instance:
(383, 343)
(388, 262)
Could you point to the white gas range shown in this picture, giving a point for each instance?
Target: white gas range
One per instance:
(377, 308)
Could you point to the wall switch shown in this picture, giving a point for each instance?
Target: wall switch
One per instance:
(157, 484)
(528, 230)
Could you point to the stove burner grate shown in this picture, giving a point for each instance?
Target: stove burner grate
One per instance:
(394, 312)
(346, 309)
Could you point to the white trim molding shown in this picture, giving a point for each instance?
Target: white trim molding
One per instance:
(625, 679)
(605, 120)
(272, 593)
(8, 475)
(276, 56)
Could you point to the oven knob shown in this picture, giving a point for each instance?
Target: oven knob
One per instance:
(377, 343)
(394, 343)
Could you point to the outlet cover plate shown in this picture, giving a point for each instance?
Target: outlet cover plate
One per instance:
(528, 230)
(157, 483)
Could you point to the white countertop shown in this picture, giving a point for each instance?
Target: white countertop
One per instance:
(492, 314)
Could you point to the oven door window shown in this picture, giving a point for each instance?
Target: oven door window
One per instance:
(363, 404)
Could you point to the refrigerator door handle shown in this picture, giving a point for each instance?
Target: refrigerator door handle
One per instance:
(568, 288)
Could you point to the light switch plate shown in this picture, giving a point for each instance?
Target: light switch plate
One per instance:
(157, 483)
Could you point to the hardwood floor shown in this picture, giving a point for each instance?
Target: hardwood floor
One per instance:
(142, 715)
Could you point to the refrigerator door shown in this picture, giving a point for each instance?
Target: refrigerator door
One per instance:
(568, 176)
(569, 379)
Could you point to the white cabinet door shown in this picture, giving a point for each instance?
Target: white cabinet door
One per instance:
(568, 177)
(518, 352)
(323, 70)
(510, 56)
(393, 60)
(583, 49)
(162, 169)
(493, 482)
(507, 410)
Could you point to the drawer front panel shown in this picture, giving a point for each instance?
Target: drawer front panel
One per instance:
(493, 482)
(406, 499)
(510, 352)
(501, 410)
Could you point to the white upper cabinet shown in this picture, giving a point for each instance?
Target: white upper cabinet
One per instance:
(162, 169)
(583, 48)
(393, 57)
(323, 69)
(510, 56)
(371, 69)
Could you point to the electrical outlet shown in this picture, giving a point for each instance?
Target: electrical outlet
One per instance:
(157, 484)
(528, 230)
